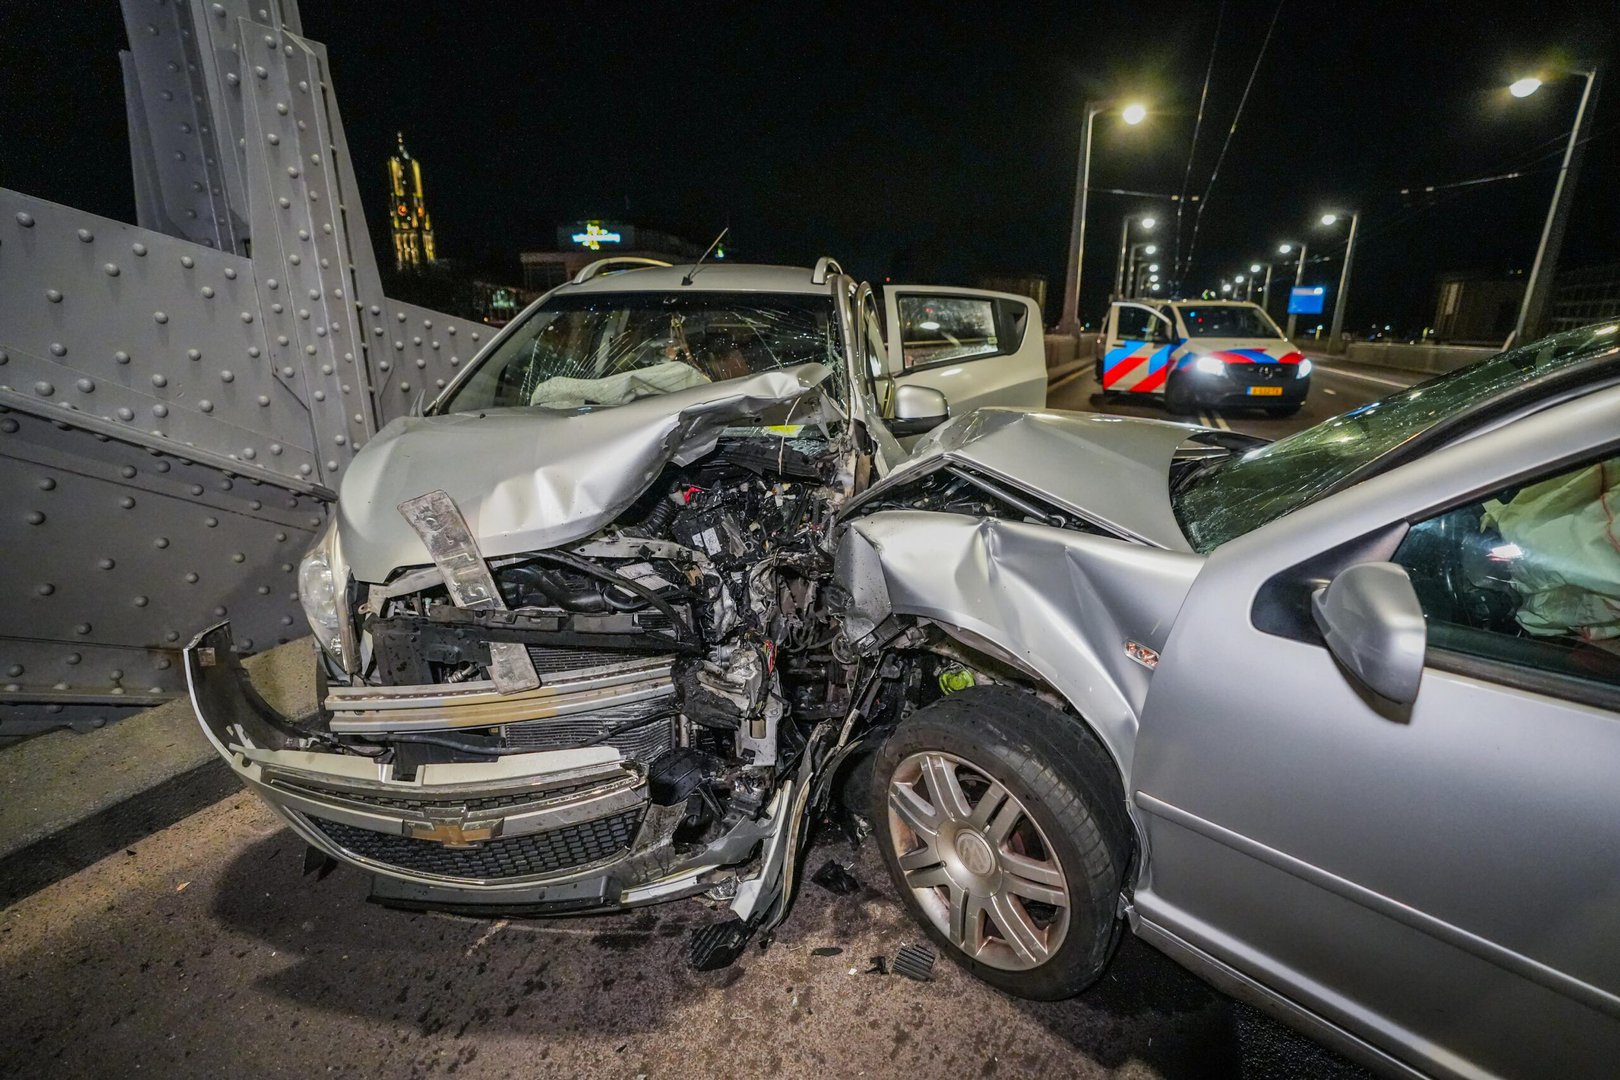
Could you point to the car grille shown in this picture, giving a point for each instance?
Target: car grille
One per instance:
(401, 802)
(1262, 374)
(504, 858)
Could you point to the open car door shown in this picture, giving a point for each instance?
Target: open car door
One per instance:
(976, 347)
(1136, 346)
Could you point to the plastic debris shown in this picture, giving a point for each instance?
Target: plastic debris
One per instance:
(718, 945)
(915, 962)
(836, 878)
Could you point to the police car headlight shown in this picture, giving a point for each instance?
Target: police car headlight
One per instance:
(1303, 370)
(323, 590)
(1210, 365)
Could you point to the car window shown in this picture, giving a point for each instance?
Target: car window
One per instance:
(604, 349)
(1137, 324)
(1529, 577)
(936, 329)
(1227, 321)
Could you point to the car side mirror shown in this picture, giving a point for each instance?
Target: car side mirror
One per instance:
(918, 409)
(1373, 624)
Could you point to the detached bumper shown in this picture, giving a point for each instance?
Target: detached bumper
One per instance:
(533, 831)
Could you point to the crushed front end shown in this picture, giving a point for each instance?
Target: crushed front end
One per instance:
(644, 713)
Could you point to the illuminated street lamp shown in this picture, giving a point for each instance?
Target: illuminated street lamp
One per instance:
(1132, 114)
(1226, 286)
(1299, 271)
(1147, 222)
(1330, 219)
(1552, 232)
(1133, 268)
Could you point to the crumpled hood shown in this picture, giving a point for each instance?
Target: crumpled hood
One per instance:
(1112, 469)
(532, 478)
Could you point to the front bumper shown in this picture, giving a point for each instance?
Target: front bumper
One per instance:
(1230, 392)
(572, 829)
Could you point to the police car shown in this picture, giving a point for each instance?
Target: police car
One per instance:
(1201, 354)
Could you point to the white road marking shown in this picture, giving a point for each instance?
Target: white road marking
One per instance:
(1327, 390)
(1364, 378)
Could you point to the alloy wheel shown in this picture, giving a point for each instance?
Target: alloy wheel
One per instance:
(977, 862)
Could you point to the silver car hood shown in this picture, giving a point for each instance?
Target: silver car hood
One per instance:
(1114, 470)
(532, 478)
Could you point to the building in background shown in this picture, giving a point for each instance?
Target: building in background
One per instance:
(1582, 295)
(584, 242)
(410, 224)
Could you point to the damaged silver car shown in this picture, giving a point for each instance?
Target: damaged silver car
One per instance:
(652, 590)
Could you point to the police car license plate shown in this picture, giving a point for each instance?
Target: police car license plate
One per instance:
(1265, 391)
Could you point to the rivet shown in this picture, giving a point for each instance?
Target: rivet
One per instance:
(230, 273)
(125, 413)
(247, 316)
(141, 601)
(227, 376)
(275, 449)
(112, 269)
(121, 357)
(47, 484)
(82, 628)
(261, 72)
(160, 317)
(106, 564)
(161, 542)
(85, 236)
(58, 349)
(303, 470)
(86, 385)
(249, 453)
(171, 635)
(160, 380)
(211, 521)
(187, 261)
(140, 249)
(53, 295)
(44, 389)
(191, 576)
(46, 589)
(160, 410)
(384, 364)
(320, 395)
(196, 489)
(205, 405)
(238, 557)
(341, 440)
(193, 354)
(14, 670)
(25, 220)
(73, 658)
(34, 517)
(331, 465)
(127, 502)
(273, 139)
(254, 351)
(208, 292)
(421, 362)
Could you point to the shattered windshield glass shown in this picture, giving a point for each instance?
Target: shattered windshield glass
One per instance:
(605, 349)
(1217, 501)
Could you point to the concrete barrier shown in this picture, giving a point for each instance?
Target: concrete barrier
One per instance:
(1427, 359)
(1065, 352)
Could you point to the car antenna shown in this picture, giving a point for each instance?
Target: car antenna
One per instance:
(687, 280)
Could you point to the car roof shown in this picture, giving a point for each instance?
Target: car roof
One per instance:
(710, 277)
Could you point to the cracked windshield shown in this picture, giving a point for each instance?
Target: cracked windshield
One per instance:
(608, 349)
(1218, 501)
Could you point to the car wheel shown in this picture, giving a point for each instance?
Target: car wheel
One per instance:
(1003, 825)
(1178, 397)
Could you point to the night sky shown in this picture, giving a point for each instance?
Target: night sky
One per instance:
(917, 141)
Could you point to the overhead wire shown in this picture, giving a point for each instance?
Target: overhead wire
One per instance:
(1198, 123)
(1203, 204)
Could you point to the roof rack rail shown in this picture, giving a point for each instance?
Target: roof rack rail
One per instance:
(602, 266)
(824, 265)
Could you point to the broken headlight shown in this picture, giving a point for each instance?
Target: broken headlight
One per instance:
(323, 589)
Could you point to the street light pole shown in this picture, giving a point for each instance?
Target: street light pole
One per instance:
(1539, 286)
(1070, 322)
(1132, 115)
(1147, 222)
(1265, 291)
(1344, 281)
(1299, 272)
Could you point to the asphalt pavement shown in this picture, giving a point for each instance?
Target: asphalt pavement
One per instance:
(201, 950)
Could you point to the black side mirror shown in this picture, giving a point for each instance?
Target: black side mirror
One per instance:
(917, 409)
(1373, 624)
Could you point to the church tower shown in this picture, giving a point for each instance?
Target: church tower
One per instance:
(412, 228)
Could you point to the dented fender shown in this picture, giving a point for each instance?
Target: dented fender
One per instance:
(1060, 604)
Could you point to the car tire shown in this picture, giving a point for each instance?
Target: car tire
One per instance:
(1178, 397)
(1056, 813)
